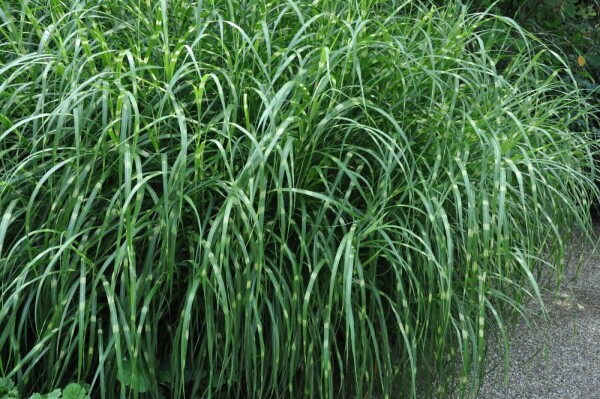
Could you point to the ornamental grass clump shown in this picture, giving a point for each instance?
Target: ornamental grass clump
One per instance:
(275, 199)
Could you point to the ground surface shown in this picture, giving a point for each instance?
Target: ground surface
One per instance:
(560, 358)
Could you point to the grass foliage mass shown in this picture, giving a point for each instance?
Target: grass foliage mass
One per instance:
(222, 198)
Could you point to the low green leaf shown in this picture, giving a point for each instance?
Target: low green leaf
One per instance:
(8, 389)
(75, 391)
(140, 380)
(569, 10)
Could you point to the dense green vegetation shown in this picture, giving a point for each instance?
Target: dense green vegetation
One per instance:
(8, 390)
(224, 198)
(570, 26)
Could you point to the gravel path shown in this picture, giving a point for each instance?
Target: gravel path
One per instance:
(558, 359)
